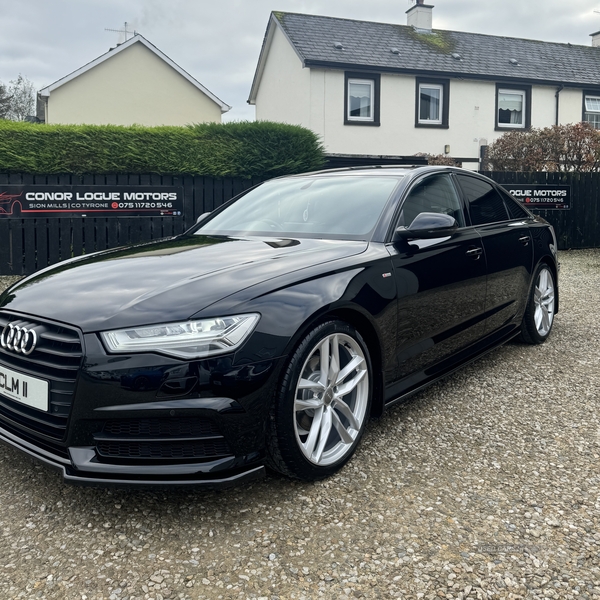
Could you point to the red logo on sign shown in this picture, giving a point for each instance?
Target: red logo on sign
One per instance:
(115, 205)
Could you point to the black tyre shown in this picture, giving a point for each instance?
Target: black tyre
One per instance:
(539, 314)
(321, 408)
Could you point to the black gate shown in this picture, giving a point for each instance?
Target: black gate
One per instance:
(29, 244)
(577, 227)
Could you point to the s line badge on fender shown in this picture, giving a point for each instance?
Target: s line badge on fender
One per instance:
(269, 333)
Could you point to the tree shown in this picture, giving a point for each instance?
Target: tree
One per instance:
(581, 147)
(22, 99)
(5, 99)
(573, 148)
(442, 160)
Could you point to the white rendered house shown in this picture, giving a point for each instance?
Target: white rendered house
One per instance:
(397, 90)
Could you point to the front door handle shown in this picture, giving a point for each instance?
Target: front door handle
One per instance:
(524, 239)
(475, 253)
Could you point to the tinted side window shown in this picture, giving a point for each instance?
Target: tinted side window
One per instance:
(485, 203)
(435, 194)
(515, 210)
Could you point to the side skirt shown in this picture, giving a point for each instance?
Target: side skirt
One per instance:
(409, 387)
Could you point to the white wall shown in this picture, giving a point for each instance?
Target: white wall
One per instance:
(471, 117)
(284, 91)
(472, 106)
(570, 106)
(543, 106)
(133, 87)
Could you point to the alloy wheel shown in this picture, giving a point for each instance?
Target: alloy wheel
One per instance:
(543, 298)
(331, 399)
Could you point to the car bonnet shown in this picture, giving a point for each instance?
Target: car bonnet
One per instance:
(164, 281)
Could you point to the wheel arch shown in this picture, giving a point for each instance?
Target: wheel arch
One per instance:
(368, 332)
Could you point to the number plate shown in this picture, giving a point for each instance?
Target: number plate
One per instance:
(24, 389)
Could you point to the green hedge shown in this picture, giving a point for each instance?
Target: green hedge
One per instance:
(247, 149)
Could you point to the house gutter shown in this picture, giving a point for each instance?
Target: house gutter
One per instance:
(328, 64)
(557, 95)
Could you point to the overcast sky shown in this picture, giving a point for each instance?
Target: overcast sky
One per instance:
(218, 41)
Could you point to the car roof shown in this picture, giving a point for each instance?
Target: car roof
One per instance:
(381, 170)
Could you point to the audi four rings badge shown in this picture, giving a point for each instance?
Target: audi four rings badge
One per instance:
(18, 339)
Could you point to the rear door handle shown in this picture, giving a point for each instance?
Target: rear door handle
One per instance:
(475, 253)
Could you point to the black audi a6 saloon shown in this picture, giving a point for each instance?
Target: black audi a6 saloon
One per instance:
(269, 333)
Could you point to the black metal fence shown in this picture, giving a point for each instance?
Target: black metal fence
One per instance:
(27, 245)
(577, 227)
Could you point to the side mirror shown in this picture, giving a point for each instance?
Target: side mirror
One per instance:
(202, 217)
(427, 226)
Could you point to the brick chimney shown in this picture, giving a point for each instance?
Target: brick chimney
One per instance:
(419, 16)
(596, 39)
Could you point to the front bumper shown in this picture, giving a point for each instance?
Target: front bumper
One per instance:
(143, 420)
(81, 470)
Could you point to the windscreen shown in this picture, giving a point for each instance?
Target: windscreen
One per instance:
(345, 207)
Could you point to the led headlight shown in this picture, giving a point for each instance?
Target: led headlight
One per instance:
(189, 339)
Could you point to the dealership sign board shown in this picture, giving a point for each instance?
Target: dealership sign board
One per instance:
(20, 201)
(542, 197)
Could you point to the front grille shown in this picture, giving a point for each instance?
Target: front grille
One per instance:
(57, 358)
(153, 439)
(191, 427)
(164, 450)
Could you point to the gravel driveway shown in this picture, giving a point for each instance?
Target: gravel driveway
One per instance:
(483, 486)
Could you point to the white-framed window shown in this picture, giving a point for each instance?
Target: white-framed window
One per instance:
(361, 94)
(511, 108)
(432, 103)
(431, 100)
(591, 112)
(362, 91)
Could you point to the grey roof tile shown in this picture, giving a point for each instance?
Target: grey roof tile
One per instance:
(368, 45)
